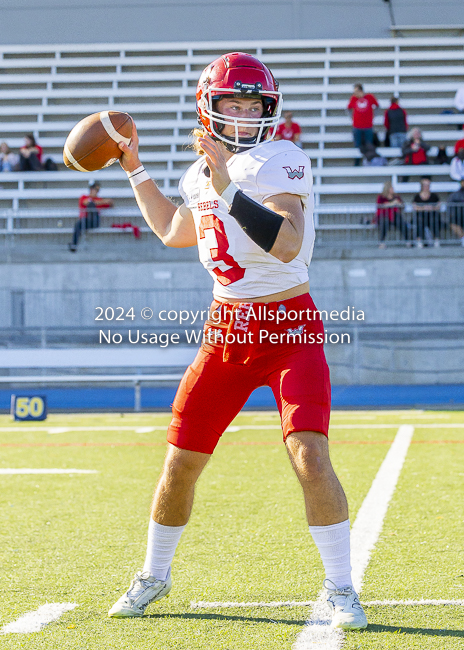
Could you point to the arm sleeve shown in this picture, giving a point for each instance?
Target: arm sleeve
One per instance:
(182, 191)
(285, 173)
(386, 120)
(352, 104)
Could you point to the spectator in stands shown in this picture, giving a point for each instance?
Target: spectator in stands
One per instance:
(442, 157)
(371, 157)
(289, 130)
(459, 103)
(30, 155)
(456, 212)
(390, 214)
(415, 150)
(426, 207)
(89, 212)
(396, 123)
(457, 166)
(9, 161)
(459, 145)
(362, 107)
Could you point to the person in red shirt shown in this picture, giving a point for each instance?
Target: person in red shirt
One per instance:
(89, 213)
(362, 107)
(396, 123)
(389, 214)
(289, 130)
(30, 155)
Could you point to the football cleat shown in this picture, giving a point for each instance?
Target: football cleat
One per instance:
(347, 611)
(144, 589)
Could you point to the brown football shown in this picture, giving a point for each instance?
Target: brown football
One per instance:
(93, 142)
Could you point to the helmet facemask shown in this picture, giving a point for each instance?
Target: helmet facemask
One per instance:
(266, 125)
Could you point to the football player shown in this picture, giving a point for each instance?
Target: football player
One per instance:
(248, 206)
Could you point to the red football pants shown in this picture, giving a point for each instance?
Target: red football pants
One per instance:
(213, 391)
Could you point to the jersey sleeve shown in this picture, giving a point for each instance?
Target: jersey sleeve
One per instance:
(288, 172)
(182, 190)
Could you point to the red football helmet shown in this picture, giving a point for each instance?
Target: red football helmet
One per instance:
(238, 75)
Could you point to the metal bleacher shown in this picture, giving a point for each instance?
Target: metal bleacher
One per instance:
(45, 90)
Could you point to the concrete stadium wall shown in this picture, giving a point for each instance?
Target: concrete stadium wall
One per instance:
(397, 294)
(146, 21)
(389, 288)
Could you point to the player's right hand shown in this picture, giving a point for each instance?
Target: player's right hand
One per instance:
(129, 160)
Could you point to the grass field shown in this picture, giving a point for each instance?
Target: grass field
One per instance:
(79, 538)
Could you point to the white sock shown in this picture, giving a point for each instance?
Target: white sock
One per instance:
(333, 543)
(161, 546)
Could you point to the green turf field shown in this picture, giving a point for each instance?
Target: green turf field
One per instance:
(79, 538)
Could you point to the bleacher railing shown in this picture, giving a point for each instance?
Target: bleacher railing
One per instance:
(341, 225)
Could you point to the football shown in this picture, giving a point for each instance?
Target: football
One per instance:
(93, 142)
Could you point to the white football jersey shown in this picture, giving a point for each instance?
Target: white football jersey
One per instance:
(240, 268)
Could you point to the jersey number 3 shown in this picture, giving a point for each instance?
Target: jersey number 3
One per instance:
(220, 254)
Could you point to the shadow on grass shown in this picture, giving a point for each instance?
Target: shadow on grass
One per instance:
(223, 617)
(414, 630)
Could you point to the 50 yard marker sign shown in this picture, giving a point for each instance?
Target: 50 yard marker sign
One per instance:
(28, 407)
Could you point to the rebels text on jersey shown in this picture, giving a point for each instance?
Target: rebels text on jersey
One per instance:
(240, 268)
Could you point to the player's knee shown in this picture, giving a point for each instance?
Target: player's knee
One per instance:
(309, 457)
(183, 466)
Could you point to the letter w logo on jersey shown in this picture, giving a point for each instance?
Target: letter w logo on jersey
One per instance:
(295, 173)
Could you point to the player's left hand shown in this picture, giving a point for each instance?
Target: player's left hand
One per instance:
(217, 163)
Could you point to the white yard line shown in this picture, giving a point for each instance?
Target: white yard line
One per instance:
(369, 520)
(26, 470)
(309, 603)
(35, 621)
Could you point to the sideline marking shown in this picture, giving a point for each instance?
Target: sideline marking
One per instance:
(318, 635)
(308, 603)
(238, 443)
(35, 621)
(53, 430)
(231, 429)
(24, 470)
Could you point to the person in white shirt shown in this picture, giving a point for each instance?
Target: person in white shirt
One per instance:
(248, 206)
(9, 161)
(459, 103)
(457, 166)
